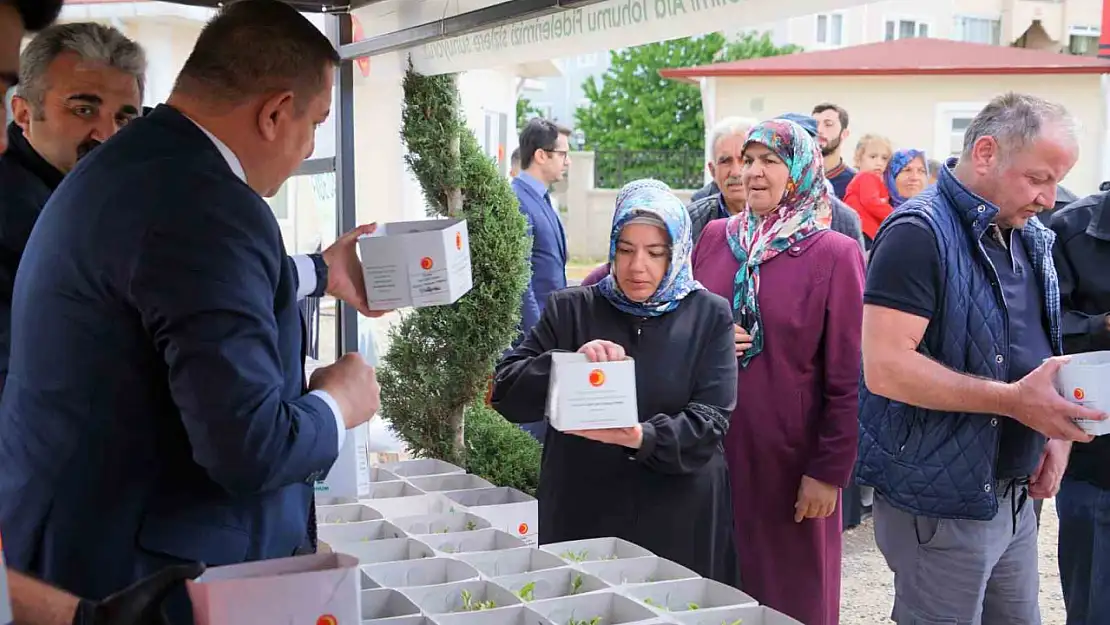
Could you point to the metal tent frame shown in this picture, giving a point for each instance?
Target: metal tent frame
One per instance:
(340, 31)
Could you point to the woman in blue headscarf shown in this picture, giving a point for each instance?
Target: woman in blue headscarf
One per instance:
(662, 484)
(906, 175)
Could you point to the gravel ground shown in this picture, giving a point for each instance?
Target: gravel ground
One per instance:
(867, 591)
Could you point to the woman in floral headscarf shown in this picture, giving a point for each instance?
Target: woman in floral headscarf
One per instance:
(907, 174)
(796, 289)
(662, 484)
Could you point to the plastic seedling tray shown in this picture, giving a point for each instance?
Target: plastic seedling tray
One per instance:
(611, 608)
(466, 542)
(689, 595)
(346, 513)
(596, 549)
(442, 483)
(746, 615)
(638, 571)
(389, 550)
(444, 523)
(389, 490)
(472, 596)
(511, 561)
(361, 532)
(325, 500)
(425, 572)
(551, 584)
(421, 467)
(382, 603)
(401, 620)
(505, 508)
(516, 615)
(378, 474)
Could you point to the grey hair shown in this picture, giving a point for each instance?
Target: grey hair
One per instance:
(91, 42)
(728, 127)
(1016, 120)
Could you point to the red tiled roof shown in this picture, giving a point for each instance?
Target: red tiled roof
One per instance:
(901, 57)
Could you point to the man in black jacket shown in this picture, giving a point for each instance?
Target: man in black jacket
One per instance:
(1082, 253)
(78, 85)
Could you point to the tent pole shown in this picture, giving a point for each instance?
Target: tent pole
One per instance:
(341, 33)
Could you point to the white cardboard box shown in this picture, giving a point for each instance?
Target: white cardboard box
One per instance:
(585, 395)
(416, 263)
(1085, 380)
(322, 588)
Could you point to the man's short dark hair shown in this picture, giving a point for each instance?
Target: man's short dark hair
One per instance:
(538, 134)
(840, 112)
(514, 158)
(36, 14)
(254, 47)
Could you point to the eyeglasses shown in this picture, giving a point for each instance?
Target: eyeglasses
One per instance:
(563, 153)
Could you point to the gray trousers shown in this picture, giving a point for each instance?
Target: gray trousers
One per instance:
(960, 572)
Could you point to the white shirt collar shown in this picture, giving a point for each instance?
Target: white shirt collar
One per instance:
(229, 156)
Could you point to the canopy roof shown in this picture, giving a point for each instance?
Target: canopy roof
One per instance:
(308, 6)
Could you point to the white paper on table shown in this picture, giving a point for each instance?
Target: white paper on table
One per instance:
(321, 589)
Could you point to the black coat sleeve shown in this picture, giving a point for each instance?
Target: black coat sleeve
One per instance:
(521, 379)
(685, 442)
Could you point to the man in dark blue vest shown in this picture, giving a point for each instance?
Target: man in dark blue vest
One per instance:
(960, 421)
(157, 363)
(544, 159)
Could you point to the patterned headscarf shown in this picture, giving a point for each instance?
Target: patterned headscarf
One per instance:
(804, 210)
(898, 162)
(653, 199)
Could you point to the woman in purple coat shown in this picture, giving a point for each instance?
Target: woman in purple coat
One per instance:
(797, 298)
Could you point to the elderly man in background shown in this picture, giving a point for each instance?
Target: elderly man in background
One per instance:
(78, 85)
(960, 421)
(727, 196)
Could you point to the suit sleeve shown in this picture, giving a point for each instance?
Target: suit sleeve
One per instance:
(204, 283)
(838, 429)
(685, 442)
(521, 378)
(529, 307)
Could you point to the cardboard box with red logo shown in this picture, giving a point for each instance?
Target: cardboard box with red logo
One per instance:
(1084, 381)
(585, 395)
(416, 263)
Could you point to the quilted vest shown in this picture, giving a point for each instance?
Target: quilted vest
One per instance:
(942, 464)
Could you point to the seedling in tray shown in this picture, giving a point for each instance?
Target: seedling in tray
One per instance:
(469, 605)
(594, 621)
(689, 606)
(579, 557)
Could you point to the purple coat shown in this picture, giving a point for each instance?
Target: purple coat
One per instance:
(796, 414)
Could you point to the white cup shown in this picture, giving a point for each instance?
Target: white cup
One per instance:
(1085, 380)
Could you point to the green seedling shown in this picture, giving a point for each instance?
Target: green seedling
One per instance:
(576, 584)
(594, 621)
(527, 592)
(654, 604)
(470, 605)
(736, 622)
(691, 606)
(471, 526)
(576, 557)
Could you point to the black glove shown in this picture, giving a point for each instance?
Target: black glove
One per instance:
(140, 603)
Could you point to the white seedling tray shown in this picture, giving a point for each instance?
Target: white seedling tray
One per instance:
(390, 550)
(443, 523)
(611, 607)
(323, 501)
(361, 532)
(638, 571)
(689, 595)
(442, 483)
(493, 564)
(378, 474)
(596, 549)
(448, 598)
(505, 508)
(516, 615)
(425, 572)
(421, 467)
(467, 542)
(383, 603)
(346, 513)
(747, 615)
(551, 584)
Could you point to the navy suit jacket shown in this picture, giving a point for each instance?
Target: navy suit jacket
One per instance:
(549, 253)
(154, 408)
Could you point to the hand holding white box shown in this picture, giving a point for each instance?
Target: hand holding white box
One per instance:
(1085, 380)
(584, 395)
(416, 263)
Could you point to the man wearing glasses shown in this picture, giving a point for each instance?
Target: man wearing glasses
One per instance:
(544, 160)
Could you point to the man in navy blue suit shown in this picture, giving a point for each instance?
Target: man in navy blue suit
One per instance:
(155, 410)
(544, 159)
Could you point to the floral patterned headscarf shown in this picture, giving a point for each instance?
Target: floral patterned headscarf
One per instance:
(653, 200)
(898, 162)
(803, 211)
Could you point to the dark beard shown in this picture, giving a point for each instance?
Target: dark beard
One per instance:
(831, 147)
(85, 147)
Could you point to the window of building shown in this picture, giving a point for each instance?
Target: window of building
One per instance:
(905, 29)
(830, 29)
(977, 30)
(1083, 40)
(952, 121)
